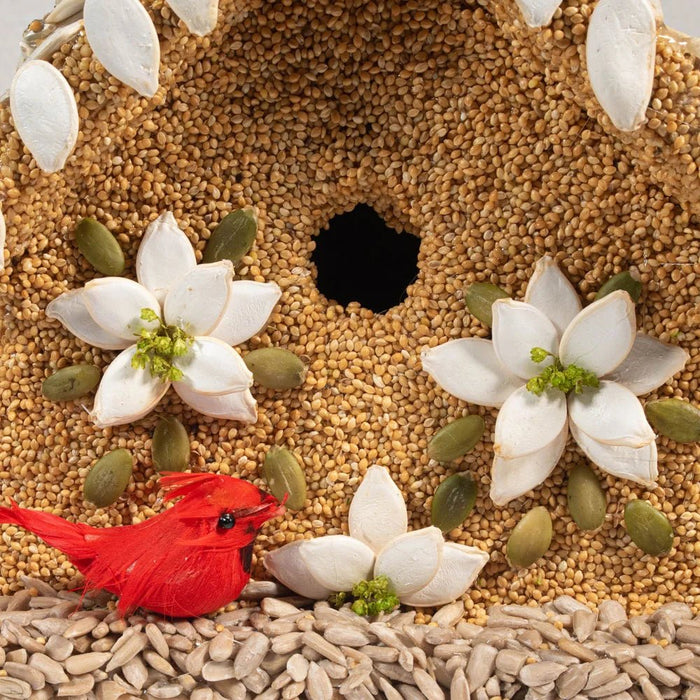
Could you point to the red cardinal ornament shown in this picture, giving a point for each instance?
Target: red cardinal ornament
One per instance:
(188, 561)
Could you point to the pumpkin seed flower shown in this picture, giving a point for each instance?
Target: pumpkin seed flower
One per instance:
(175, 327)
(554, 367)
(423, 569)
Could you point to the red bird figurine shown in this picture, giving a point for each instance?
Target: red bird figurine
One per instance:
(190, 560)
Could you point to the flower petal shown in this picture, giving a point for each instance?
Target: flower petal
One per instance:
(115, 303)
(377, 513)
(635, 463)
(124, 40)
(165, 256)
(337, 562)
(70, 309)
(537, 13)
(649, 364)
(517, 328)
(248, 311)
(511, 478)
(620, 56)
(553, 294)
(237, 405)
(411, 560)
(289, 568)
(198, 15)
(611, 414)
(126, 394)
(459, 567)
(469, 369)
(601, 336)
(213, 367)
(198, 300)
(526, 423)
(45, 113)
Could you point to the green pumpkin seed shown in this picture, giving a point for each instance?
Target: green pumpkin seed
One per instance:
(108, 478)
(586, 498)
(284, 475)
(233, 237)
(628, 281)
(674, 418)
(456, 438)
(170, 447)
(100, 247)
(71, 383)
(649, 528)
(479, 297)
(453, 501)
(530, 538)
(276, 368)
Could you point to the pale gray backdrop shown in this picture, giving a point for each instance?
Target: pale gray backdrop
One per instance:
(15, 15)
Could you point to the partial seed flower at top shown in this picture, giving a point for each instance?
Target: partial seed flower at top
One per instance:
(553, 367)
(176, 325)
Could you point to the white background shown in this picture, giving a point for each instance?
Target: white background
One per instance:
(15, 15)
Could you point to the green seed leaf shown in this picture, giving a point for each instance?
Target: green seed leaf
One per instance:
(276, 368)
(628, 281)
(674, 418)
(649, 528)
(108, 478)
(530, 538)
(170, 447)
(100, 248)
(233, 237)
(71, 383)
(456, 438)
(453, 501)
(479, 297)
(285, 476)
(586, 498)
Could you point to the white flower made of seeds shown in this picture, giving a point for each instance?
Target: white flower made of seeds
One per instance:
(423, 569)
(175, 300)
(598, 343)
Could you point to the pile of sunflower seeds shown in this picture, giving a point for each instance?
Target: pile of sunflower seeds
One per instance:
(276, 649)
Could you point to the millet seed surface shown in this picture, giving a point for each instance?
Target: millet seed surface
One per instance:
(458, 125)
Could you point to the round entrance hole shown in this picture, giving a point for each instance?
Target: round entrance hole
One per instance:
(359, 258)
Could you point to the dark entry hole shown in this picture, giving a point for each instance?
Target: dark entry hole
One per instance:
(359, 258)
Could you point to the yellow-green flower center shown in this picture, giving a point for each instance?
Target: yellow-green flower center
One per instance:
(156, 349)
(566, 379)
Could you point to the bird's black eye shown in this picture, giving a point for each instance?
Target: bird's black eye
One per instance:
(226, 521)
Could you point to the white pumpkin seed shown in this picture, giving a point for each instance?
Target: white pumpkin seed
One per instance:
(53, 42)
(538, 13)
(198, 15)
(124, 39)
(45, 114)
(64, 10)
(620, 52)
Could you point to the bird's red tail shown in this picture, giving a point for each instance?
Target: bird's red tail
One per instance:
(57, 532)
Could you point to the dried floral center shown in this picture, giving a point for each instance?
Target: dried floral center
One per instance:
(157, 349)
(368, 597)
(566, 379)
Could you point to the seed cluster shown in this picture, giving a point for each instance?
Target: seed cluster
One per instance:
(458, 125)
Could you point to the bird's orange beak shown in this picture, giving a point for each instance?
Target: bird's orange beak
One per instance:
(267, 510)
